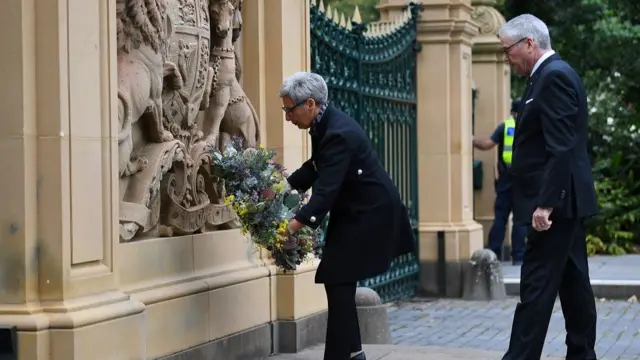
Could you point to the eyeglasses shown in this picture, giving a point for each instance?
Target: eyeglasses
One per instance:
(508, 49)
(290, 109)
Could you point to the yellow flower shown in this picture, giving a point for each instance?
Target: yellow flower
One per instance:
(261, 146)
(283, 226)
(229, 199)
(278, 187)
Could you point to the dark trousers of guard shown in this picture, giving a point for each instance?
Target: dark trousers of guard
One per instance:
(502, 209)
(555, 263)
(343, 330)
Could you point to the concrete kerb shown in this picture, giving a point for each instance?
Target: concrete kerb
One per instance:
(608, 289)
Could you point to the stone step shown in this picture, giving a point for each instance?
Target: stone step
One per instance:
(607, 289)
(612, 277)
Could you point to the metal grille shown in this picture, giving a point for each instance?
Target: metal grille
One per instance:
(373, 79)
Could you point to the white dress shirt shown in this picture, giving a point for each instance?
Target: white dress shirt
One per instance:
(544, 57)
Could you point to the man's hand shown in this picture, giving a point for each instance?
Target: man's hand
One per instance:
(540, 219)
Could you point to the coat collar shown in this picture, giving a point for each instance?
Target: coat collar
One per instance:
(547, 61)
(319, 128)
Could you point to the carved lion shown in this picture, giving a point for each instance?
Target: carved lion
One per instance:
(142, 29)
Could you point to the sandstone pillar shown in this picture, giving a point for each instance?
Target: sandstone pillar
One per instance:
(60, 183)
(391, 9)
(492, 77)
(445, 32)
(276, 44)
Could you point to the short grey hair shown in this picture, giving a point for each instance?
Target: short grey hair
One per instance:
(527, 25)
(304, 85)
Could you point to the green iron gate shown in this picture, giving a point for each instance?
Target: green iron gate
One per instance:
(373, 79)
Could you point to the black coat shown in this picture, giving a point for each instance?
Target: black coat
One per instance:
(551, 165)
(369, 225)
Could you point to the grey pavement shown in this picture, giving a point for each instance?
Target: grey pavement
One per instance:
(459, 324)
(448, 329)
(385, 352)
(615, 277)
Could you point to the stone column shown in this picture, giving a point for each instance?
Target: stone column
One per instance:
(492, 77)
(391, 9)
(276, 44)
(60, 197)
(445, 32)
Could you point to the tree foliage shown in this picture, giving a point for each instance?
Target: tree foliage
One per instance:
(367, 8)
(601, 39)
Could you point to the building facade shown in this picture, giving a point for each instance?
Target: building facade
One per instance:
(116, 244)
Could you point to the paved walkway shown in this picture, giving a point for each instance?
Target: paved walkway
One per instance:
(459, 324)
(615, 277)
(386, 352)
(461, 330)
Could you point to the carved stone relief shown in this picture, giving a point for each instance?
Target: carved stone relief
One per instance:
(488, 18)
(177, 95)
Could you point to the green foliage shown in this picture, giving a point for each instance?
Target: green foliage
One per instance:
(615, 229)
(368, 10)
(601, 39)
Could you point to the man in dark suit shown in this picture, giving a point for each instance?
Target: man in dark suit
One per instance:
(553, 193)
(369, 224)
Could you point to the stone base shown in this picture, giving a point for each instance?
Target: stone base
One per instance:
(486, 223)
(261, 341)
(294, 335)
(460, 242)
(454, 278)
(250, 344)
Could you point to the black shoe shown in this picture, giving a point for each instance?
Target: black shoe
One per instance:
(360, 356)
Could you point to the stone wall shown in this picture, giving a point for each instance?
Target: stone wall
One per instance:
(113, 248)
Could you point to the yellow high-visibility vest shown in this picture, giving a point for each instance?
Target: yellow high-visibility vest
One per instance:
(507, 141)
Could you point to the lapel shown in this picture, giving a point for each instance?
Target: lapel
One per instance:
(531, 82)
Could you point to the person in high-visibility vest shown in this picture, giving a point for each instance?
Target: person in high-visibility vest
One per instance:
(503, 137)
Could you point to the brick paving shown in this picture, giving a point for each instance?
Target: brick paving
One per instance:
(449, 329)
(459, 324)
(397, 352)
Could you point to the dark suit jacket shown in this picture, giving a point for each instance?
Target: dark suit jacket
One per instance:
(551, 166)
(369, 225)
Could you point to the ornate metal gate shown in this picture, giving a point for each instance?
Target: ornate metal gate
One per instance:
(371, 74)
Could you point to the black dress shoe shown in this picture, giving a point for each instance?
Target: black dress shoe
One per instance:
(360, 356)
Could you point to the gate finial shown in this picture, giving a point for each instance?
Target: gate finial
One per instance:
(356, 15)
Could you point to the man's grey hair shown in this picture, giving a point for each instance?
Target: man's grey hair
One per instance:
(304, 85)
(525, 26)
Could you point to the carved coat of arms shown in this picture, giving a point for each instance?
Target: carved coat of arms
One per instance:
(166, 187)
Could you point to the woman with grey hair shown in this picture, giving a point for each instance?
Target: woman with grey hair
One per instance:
(369, 225)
